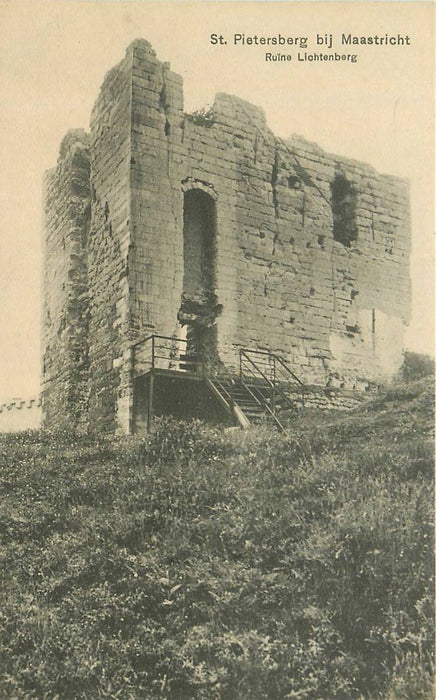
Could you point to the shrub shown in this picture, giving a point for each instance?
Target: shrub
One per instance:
(416, 366)
(203, 117)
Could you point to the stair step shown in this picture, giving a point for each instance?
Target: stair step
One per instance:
(253, 397)
(258, 418)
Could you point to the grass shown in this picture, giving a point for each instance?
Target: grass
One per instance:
(199, 563)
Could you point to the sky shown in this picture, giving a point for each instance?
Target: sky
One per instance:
(55, 53)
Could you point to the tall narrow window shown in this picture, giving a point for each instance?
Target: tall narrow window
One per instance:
(199, 308)
(198, 243)
(344, 211)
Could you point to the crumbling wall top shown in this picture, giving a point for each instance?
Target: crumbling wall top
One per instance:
(72, 139)
(226, 106)
(140, 45)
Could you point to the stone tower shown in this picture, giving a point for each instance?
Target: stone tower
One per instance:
(210, 228)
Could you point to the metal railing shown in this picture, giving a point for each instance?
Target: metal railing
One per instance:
(223, 382)
(267, 366)
(263, 374)
(163, 352)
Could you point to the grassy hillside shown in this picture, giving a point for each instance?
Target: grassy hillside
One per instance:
(198, 563)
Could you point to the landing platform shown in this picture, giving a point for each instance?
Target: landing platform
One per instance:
(182, 395)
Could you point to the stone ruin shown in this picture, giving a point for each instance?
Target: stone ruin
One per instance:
(207, 231)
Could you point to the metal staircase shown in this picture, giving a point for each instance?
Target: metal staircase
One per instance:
(264, 387)
(259, 392)
(247, 402)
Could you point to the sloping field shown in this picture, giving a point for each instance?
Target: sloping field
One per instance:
(198, 563)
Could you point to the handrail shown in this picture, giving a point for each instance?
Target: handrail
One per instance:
(232, 408)
(261, 402)
(283, 363)
(277, 366)
(258, 352)
(161, 337)
(154, 350)
(220, 391)
(275, 357)
(219, 394)
(264, 405)
(227, 396)
(141, 340)
(242, 352)
(274, 388)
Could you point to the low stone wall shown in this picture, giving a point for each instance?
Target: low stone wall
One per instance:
(331, 398)
(327, 398)
(18, 415)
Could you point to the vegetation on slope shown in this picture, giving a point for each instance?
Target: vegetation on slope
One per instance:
(197, 563)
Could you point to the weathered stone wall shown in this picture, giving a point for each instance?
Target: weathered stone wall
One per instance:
(335, 312)
(310, 255)
(157, 196)
(108, 251)
(65, 295)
